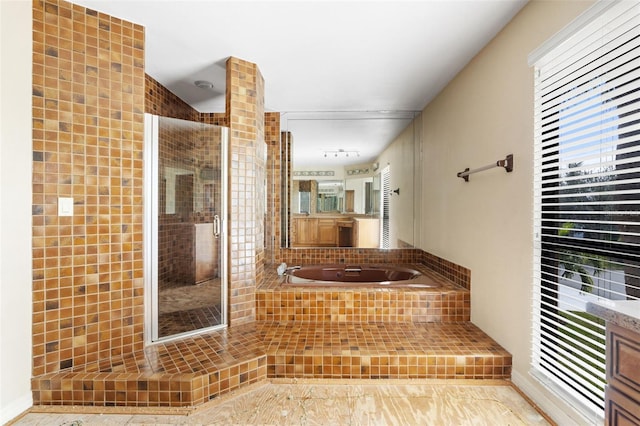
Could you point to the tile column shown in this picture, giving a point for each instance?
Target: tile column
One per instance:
(247, 158)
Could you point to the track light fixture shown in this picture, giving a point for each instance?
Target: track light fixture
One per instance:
(344, 152)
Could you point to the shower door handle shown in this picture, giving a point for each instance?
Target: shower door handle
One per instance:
(216, 226)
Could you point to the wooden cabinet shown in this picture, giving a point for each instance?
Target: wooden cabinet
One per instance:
(622, 396)
(620, 409)
(366, 233)
(313, 232)
(304, 231)
(324, 232)
(327, 233)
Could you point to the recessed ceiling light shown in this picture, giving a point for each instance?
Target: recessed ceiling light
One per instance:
(203, 84)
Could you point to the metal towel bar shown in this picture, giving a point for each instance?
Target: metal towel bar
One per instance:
(507, 163)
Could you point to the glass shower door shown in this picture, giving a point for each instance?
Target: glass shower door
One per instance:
(186, 192)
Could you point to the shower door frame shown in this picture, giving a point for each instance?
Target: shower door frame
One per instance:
(151, 210)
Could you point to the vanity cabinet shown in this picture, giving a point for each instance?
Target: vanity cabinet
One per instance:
(313, 232)
(327, 235)
(335, 232)
(366, 233)
(622, 392)
(622, 395)
(303, 231)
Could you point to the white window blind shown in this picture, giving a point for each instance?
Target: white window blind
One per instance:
(586, 197)
(384, 223)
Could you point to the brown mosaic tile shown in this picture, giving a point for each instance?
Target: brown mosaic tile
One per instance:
(448, 303)
(370, 351)
(245, 112)
(183, 373)
(456, 273)
(88, 95)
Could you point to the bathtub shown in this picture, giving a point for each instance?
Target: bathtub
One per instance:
(351, 276)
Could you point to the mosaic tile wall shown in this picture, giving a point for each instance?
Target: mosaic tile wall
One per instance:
(160, 101)
(273, 174)
(88, 103)
(456, 273)
(245, 109)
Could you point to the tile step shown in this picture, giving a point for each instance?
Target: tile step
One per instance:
(193, 370)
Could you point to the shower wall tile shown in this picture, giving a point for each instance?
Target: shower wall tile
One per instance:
(274, 182)
(160, 101)
(245, 112)
(88, 103)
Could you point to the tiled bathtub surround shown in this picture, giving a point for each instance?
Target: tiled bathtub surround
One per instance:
(448, 303)
(375, 333)
(313, 256)
(449, 270)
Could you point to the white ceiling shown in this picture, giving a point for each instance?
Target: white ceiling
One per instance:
(347, 74)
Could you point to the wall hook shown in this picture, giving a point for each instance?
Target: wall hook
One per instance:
(396, 191)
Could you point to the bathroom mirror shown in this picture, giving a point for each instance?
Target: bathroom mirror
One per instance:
(335, 172)
(353, 195)
(317, 196)
(175, 180)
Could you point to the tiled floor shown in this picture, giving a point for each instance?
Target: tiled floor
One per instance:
(177, 296)
(331, 403)
(187, 320)
(187, 307)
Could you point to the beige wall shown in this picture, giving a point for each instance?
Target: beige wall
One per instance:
(485, 224)
(400, 157)
(15, 208)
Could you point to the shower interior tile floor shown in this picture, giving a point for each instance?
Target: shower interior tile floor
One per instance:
(326, 402)
(187, 307)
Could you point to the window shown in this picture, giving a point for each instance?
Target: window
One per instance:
(385, 242)
(586, 197)
(304, 201)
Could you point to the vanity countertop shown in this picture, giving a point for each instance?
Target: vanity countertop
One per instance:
(624, 313)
